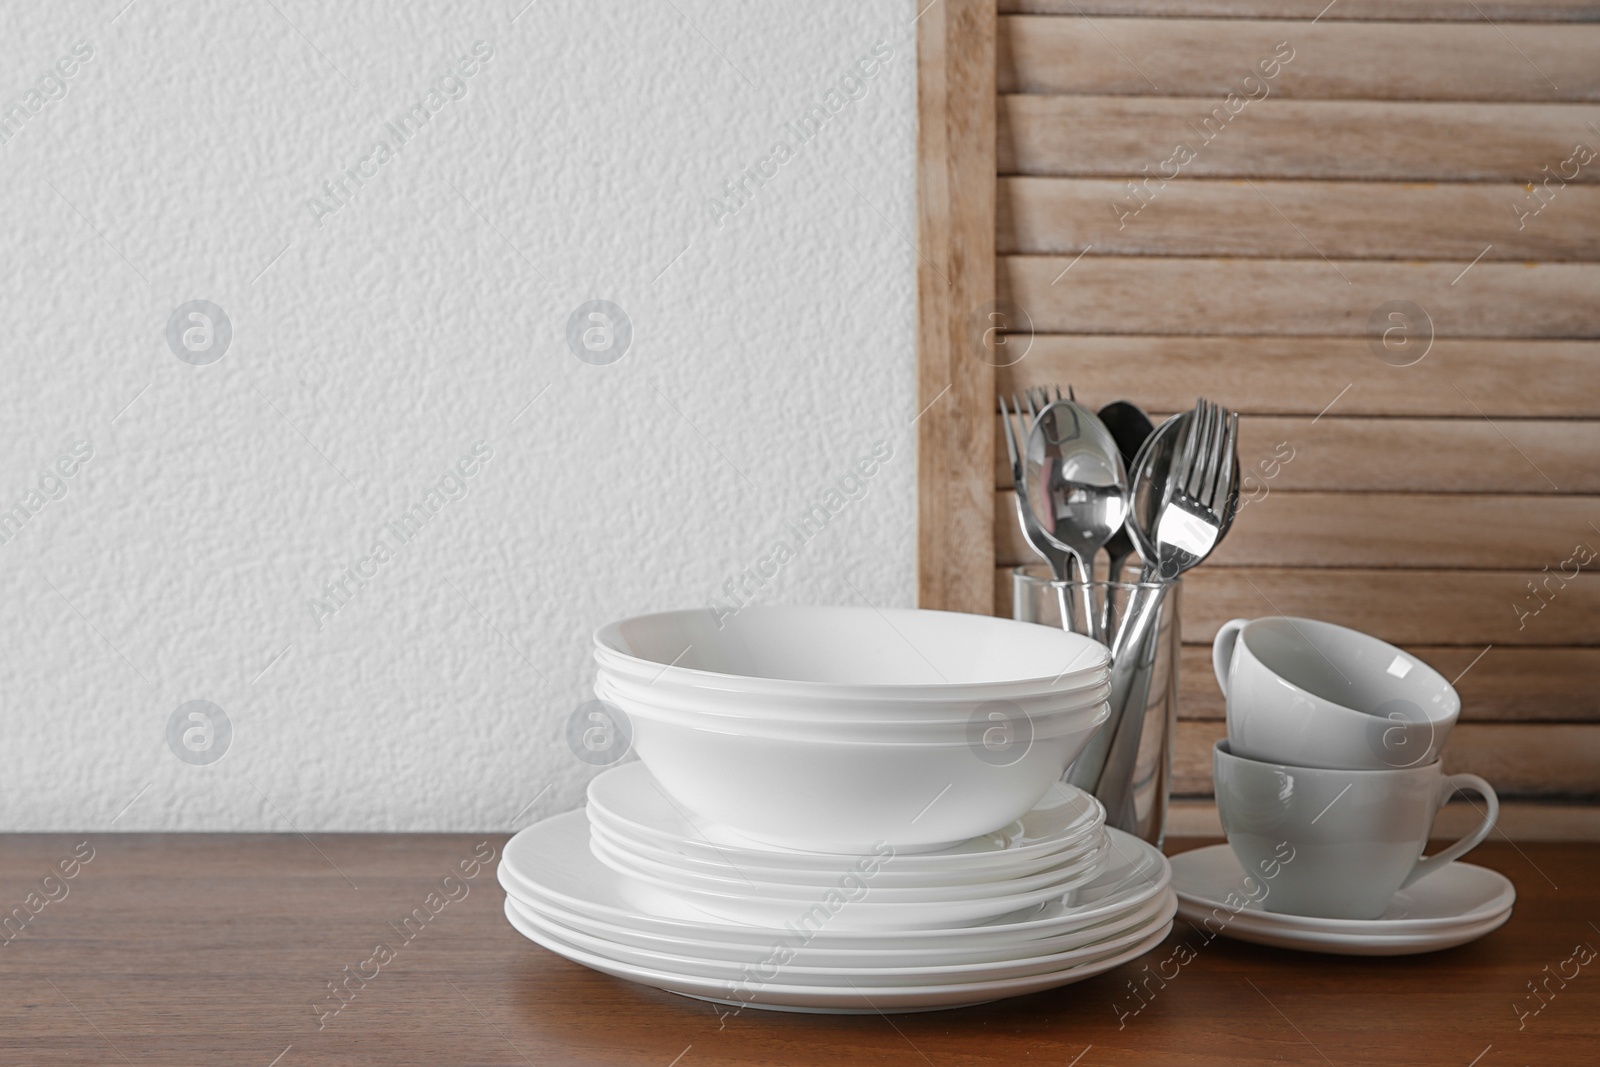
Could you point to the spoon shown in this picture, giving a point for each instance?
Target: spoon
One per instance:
(1079, 487)
(1130, 427)
(1150, 483)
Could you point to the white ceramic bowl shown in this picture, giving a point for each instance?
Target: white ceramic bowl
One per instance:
(826, 795)
(745, 710)
(1044, 717)
(836, 653)
(839, 729)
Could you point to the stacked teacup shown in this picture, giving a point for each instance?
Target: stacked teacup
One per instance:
(1333, 758)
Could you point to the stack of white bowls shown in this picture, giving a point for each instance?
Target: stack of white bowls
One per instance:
(842, 809)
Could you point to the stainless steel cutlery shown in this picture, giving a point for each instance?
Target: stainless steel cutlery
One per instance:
(1174, 505)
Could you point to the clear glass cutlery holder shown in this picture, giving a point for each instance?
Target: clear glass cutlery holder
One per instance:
(1135, 799)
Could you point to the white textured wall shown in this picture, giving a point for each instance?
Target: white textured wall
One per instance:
(374, 346)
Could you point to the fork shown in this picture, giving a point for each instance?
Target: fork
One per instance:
(1194, 518)
(1196, 514)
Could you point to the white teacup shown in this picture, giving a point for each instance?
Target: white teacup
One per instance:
(1354, 837)
(1314, 694)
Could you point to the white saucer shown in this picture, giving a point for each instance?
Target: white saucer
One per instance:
(627, 802)
(1456, 904)
(829, 999)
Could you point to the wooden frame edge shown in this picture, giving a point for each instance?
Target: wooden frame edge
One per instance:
(955, 281)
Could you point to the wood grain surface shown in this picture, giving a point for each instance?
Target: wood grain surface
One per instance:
(1277, 219)
(955, 290)
(1519, 759)
(1469, 531)
(1310, 296)
(1371, 227)
(1454, 455)
(1403, 607)
(1499, 684)
(1521, 821)
(1322, 10)
(192, 949)
(1309, 375)
(1332, 59)
(1384, 140)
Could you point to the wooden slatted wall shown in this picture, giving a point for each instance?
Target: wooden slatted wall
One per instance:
(1402, 154)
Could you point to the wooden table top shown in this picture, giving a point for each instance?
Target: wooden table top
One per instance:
(220, 949)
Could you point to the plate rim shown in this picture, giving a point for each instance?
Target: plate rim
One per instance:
(1134, 934)
(999, 988)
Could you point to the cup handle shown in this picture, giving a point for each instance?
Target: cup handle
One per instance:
(1222, 650)
(1451, 784)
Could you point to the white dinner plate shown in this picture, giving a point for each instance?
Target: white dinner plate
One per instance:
(884, 970)
(736, 880)
(837, 1000)
(817, 953)
(550, 863)
(627, 801)
(1454, 905)
(887, 876)
(851, 907)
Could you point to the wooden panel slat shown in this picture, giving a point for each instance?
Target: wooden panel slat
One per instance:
(1392, 160)
(1402, 607)
(1121, 294)
(1409, 607)
(1375, 10)
(1328, 60)
(955, 278)
(1302, 375)
(1467, 455)
(1467, 531)
(1503, 684)
(1345, 220)
(1518, 760)
(1117, 136)
(1520, 820)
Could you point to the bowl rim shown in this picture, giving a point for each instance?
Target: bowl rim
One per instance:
(911, 736)
(800, 711)
(607, 646)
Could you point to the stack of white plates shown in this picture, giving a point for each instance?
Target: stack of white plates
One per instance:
(637, 887)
